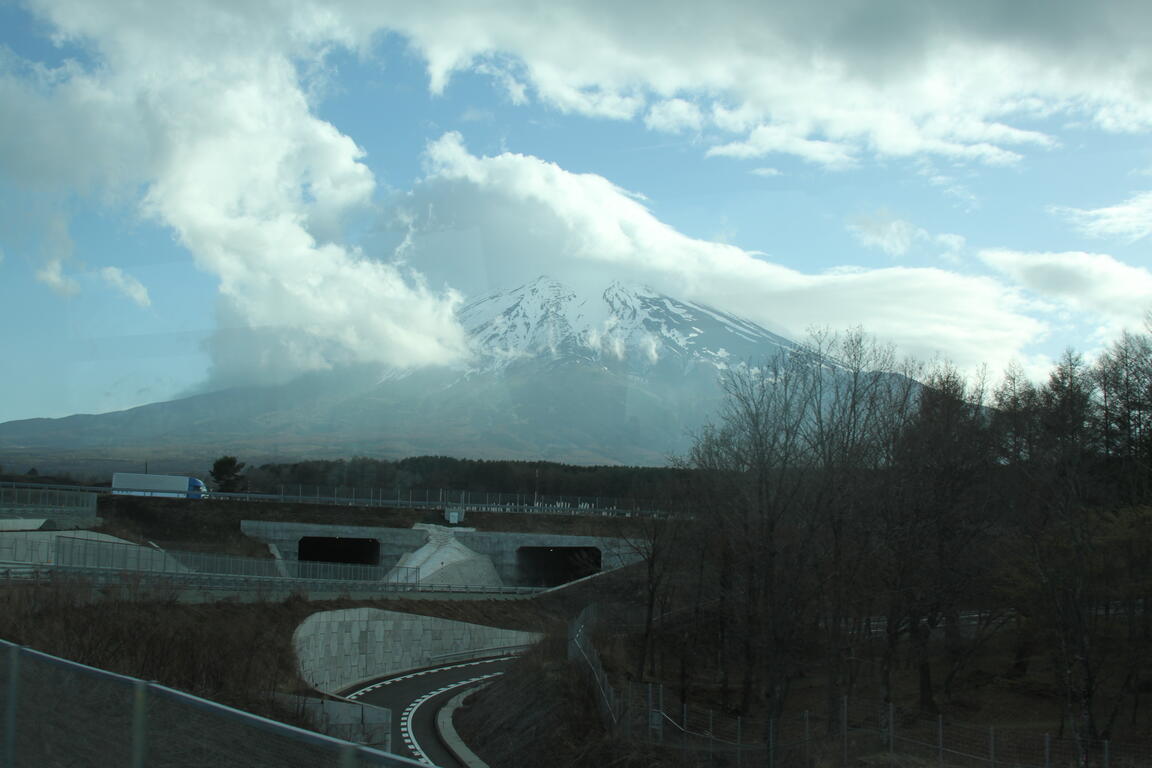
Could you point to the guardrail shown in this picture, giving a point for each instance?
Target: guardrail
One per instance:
(480, 653)
(59, 712)
(107, 563)
(468, 501)
(15, 498)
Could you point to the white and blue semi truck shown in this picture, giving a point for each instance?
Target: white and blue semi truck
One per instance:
(172, 486)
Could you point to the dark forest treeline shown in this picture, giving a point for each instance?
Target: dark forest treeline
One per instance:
(433, 473)
(845, 522)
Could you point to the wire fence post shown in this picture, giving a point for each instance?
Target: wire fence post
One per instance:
(940, 739)
(1106, 753)
(711, 735)
(844, 727)
(891, 730)
(10, 709)
(1047, 750)
(139, 724)
(648, 710)
(739, 740)
(807, 739)
(772, 743)
(992, 746)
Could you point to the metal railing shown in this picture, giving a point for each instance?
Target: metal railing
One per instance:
(31, 556)
(59, 713)
(33, 500)
(399, 498)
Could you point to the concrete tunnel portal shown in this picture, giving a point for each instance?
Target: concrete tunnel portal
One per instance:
(339, 549)
(553, 566)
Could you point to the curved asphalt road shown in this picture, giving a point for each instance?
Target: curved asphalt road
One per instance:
(416, 697)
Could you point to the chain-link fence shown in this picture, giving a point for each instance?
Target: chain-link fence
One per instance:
(24, 501)
(41, 555)
(469, 501)
(59, 714)
(401, 498)
(863, 730)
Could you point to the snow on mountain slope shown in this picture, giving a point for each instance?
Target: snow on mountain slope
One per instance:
(629, 327)
(626, 375)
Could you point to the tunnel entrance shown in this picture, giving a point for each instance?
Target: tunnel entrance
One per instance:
(552, 566)
(337, 549)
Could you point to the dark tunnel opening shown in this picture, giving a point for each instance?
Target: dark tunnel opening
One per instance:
(337, 549)
(552, 566)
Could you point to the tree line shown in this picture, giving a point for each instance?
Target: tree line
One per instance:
(850, 515)
(432, 473)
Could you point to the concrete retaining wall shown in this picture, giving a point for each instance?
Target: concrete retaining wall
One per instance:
(336, 649)
(501, 547)
(394, 542)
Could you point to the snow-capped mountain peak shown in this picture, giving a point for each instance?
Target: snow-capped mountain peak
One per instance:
(625, 326)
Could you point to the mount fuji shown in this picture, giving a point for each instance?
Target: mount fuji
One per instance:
(623, 376)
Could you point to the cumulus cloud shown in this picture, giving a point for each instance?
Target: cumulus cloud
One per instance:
(234, 161)
(486, 222)
(207, 107)
(127, 285)
(674, 116)
(1117, 293)
(827, 82)
(1130, 220)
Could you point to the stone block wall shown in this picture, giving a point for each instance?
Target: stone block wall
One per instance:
(337, 649)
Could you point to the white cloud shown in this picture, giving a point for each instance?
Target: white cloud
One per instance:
(674, 116)
(207, 106)
(892, 236)
(57, 251)
(208, 109)
(827, 82)
(1130, 220)
(787, 139)
(896, 237)
(126, 284)
(766, 171)
(1096, 283)
(52, 275)
(486, 223)
(830, 83)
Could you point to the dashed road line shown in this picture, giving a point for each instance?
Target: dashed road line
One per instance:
(410, 712)
(409, 676)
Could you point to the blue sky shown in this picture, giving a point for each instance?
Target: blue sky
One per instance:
(240, 192)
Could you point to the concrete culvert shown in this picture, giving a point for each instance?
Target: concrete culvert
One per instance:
(336, 549)
(552, 566)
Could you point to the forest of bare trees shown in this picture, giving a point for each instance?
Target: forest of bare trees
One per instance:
(850, 515)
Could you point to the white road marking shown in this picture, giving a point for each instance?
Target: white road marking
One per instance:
(410, 675)
(409, 713)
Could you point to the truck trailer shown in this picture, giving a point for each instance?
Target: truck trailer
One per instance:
(172, 486)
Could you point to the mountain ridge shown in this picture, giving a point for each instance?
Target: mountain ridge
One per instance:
(622, 377)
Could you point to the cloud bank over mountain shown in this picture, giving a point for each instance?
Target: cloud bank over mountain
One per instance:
(484, 221)
(204, 118)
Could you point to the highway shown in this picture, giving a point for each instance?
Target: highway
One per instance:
(467, 501)
(416, 697)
